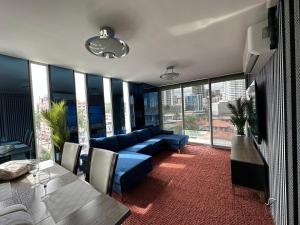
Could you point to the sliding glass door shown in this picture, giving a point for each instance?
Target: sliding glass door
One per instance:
(171, 106)
(199, 109)
(224, 91)
(196, 112)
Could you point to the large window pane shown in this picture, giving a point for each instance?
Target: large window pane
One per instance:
(81, 104)
(223, 92)
(16, 117)
(196, 113)
(62, 87)
(118, 106)
(41, 102)
(96, 105)
(151, 108)
(126, 107)
(136, 92)
(172, 110)
(108, 107)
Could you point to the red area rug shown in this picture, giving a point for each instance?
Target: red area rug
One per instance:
(193, 188)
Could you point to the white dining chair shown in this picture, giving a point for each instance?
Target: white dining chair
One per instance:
(70, 156)
(102, 169)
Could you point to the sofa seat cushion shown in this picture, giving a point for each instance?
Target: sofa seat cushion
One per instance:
(174, 141)
(156, 145)
(143, 134)
(127, 140)
(109, 143)
(131, 168)
(153, 141)
(139, 148)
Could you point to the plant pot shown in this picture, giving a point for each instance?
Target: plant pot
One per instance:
(57, 155)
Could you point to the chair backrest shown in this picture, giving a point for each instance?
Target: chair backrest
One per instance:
(102, 169)
(25, 137)
(70, 156)
(29, 139)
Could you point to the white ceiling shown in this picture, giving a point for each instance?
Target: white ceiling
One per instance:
(203, 38)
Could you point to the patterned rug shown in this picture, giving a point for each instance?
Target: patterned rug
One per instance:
(193, 188)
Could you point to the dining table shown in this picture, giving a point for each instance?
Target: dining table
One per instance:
(66, 199)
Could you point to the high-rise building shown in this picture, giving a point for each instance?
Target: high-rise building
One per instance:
(233, 90)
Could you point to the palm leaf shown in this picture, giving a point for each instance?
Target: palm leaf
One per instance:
(56, 117)
(238, 111)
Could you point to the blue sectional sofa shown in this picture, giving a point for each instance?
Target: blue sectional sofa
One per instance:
(135, 151)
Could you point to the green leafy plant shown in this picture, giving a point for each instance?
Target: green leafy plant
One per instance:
(239, 117)
(56, 117)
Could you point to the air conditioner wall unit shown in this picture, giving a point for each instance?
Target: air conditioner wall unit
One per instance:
(257, 49)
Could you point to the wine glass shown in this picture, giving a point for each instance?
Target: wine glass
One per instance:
(35, 165)
(44, 178)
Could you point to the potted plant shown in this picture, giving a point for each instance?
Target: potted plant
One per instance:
(238, 117)
(56, 117)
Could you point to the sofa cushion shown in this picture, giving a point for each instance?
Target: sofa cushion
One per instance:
(109, 143)
(139, 148)
(155, 130)
(143, 134)
(156, 144)
(174, 141)
(127, 140)
(131, 168)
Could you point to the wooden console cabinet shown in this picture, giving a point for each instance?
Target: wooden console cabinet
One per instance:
(247, 166)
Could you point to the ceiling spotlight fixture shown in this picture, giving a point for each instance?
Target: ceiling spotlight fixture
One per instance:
(107, 45)
(169, 74)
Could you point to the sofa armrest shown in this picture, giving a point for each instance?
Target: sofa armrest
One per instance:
(167, 132)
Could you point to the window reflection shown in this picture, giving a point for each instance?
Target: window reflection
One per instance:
(137, 105)
(118, 106)
(96, 105)
(62, 87)
(151, 107)
(16, 119)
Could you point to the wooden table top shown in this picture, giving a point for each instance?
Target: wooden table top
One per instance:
(70, 200)
(243, 150)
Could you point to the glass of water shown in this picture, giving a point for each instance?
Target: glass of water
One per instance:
(34, 166)
(44, 177)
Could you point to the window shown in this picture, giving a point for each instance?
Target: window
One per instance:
(202, 114)
(62, 88)
(222, 92)
(16, 118)
(136, 92)
(151, 108)
(108, 107)
(196, 112)
(118, 106)
(81, 104)
(41, 102)
(171, 102)
(126, 107)
(96, 107)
